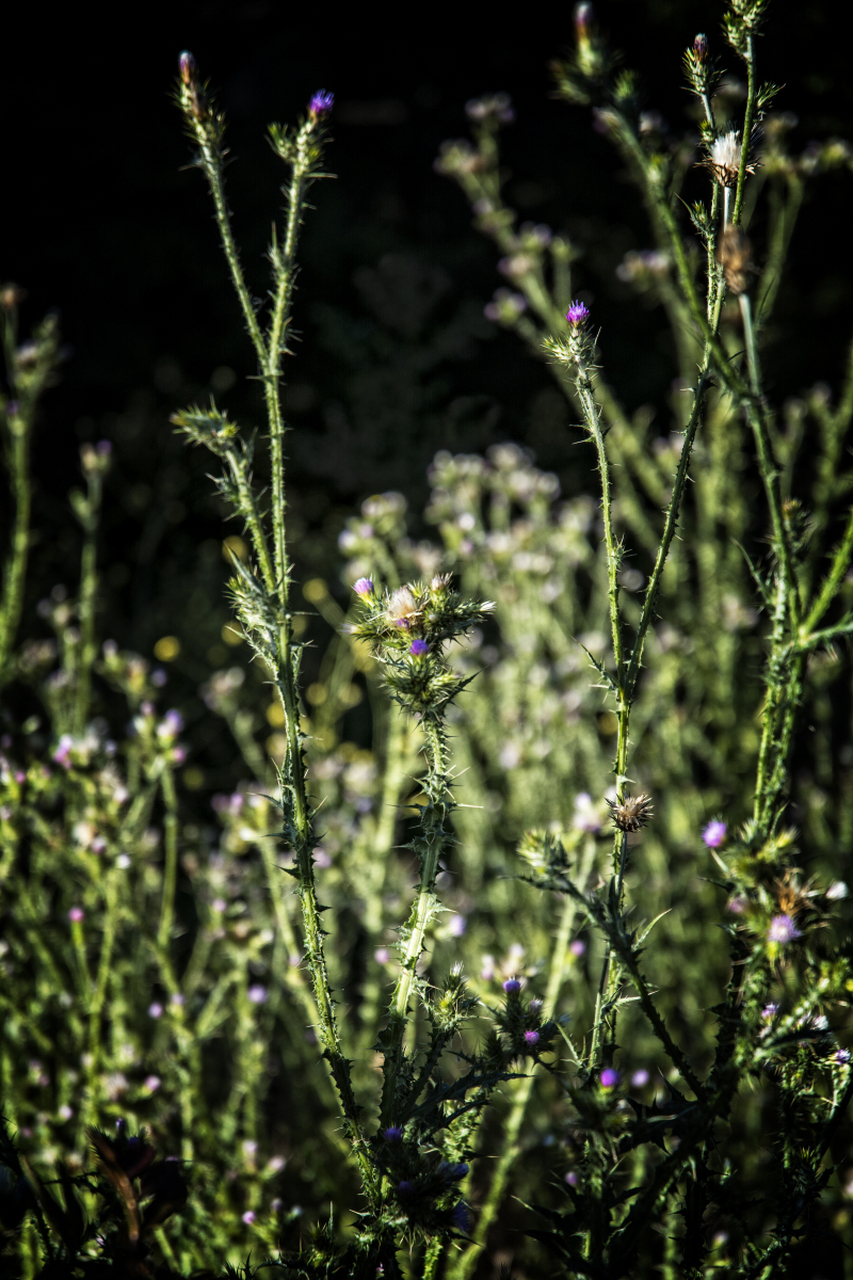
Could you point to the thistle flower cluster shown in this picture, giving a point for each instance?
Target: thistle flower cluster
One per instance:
(408, 629)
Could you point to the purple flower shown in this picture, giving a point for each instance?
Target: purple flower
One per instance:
(609, 1078)
(419, 648)
(842, 1056)
(640, 1078)
(393, 1134)
(769, 1011)
(578, 947)
(452, 1172)
(248, 1217)
(714, 834)
(75, 915)
(782, 929)
(151, 1084)
(512, 986)
(155, 1010)
(531, 1037)
(62, 754)
(364, 587)
(257, 994)
(404, 1186)
(321, 104)
(456, 926)
(571, 1178)
(577, 314)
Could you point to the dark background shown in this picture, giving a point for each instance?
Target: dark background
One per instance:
(102, 221)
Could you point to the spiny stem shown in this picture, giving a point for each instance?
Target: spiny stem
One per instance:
(430, 847)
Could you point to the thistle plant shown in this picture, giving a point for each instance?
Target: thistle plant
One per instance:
(556, 968)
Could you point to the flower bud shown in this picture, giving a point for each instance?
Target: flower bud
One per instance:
(187, 66)
(700, 47)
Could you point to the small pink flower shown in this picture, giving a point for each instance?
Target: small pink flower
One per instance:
(714, 834)
(577, 314)
(248, 1217)
(782, 929)
(609, 1078)
(531, 1037)
(76, 914)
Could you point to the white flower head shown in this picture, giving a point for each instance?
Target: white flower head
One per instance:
(724, 159)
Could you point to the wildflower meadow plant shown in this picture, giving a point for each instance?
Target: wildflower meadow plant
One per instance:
(558, 967)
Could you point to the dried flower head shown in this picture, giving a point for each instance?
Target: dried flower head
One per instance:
(724, 159)
(403, 607)
(631, 813)
(734, 254)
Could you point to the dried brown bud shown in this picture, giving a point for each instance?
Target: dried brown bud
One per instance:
(632, 812)
(734, 254)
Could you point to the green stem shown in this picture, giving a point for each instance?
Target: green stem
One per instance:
(88, 594)
(170, 871)
(430, 846)
(19, 424)
(511, 1144)
(748, 121)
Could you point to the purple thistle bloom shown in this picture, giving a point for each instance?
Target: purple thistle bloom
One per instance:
(321, 104)
(782, 929)
(640, 1078)
(452, 1172)
(512, 986)
(75, 915)
(404, 1186)
(609, 1078)
(714, 834)
(393, 1134)
(577, 314)
(364, 587)
(257, 994)
(419, 648)
(842, 1056)
(531, 1037)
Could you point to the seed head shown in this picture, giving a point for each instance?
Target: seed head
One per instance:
(724, 159)
(402, 607)
(632, 813)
